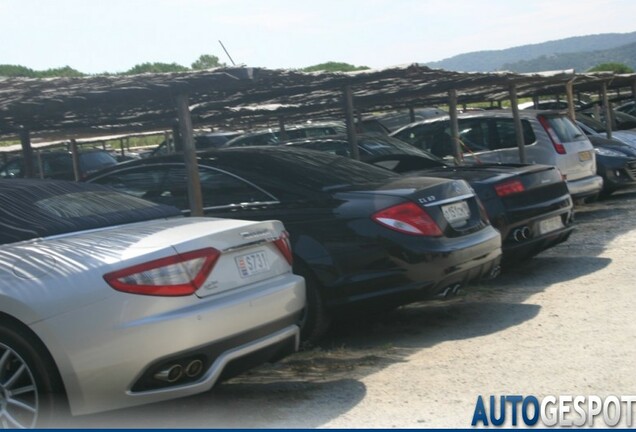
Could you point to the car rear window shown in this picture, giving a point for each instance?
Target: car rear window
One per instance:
(564, 128)
(94, 161)
(310, 169)
(35, 208)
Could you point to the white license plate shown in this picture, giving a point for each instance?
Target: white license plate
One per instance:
(585, 155)
(549, 225)
(457, 213)
(251, 264)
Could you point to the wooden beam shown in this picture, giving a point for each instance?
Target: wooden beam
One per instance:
(569, 93)
(351, 127)
(189, 156)
(608, 110)
(75, 157)
(517, 121)
(454, 124)
(27, 153)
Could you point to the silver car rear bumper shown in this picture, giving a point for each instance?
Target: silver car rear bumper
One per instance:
(103, 349)
(587, 186)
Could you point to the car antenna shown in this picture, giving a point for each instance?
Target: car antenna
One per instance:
(227, 53)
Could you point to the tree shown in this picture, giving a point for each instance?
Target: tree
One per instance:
(207, 61)
(334, 67)
(7, 70)
(65, 71)
(156, 67)
(612, 67)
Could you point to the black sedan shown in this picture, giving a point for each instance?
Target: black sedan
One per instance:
(615, 162)
(529, 204)
(360, 235)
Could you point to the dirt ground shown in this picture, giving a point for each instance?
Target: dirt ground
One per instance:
(561, 323)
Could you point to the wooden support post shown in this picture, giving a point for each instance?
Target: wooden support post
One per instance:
(499, 104)
(121, 146)
(535, 101)
(607, 110)
(569, 93)
(351, 128)
(104, 145)
(75, 157)
(189, 155)
(166, 138)
(281, 127)
(27, 153)
(40, 164)
(454, 125)
(517, 120)
(176, 138)
(412, 114)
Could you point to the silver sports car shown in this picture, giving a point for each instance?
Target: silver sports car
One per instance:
(112, 301)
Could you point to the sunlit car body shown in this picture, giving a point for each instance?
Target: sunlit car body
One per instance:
(361, 235)
(528, 204)
(107, 299)
(550, 137)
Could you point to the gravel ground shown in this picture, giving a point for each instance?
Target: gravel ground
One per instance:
(561, 323)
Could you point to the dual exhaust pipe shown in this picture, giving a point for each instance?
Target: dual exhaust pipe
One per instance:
(450, 291)
(521, 234)
(176, 372)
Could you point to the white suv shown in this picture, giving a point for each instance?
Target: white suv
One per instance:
(551, 138)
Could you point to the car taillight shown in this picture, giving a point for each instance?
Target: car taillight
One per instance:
(408, 218)
(177, 275)
(509, 188)
(284, 246)
(556, 142)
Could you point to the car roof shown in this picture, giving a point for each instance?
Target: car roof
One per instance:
(33, 208)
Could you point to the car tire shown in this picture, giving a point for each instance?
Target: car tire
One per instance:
(315, 319)
(23, 367)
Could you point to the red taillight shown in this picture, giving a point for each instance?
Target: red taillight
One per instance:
(177, 275)
(408, 218)
(284, 246)
(509, 188)
(556, 142)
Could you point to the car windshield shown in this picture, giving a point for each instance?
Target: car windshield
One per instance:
(590, 122)
(34, 208)
(385, 145)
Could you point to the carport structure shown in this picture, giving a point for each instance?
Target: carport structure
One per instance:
(241, 97)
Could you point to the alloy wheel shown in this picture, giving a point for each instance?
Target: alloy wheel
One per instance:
(18, 391)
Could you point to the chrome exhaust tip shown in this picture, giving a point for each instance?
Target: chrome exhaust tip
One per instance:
(171, 374)
(194, 368)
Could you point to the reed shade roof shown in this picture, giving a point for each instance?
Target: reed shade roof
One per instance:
(251, 97)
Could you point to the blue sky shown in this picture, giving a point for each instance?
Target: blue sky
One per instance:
(113, 35)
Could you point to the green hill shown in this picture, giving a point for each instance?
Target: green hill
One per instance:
(489, 61)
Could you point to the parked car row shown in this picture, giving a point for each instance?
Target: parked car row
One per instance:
(294, 234)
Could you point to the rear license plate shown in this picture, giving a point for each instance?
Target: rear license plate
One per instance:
(585, 156)
(251, 264)
(457, 213)
(549, 225)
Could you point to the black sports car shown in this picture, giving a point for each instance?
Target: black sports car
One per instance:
(360, 234)
(529, 204)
